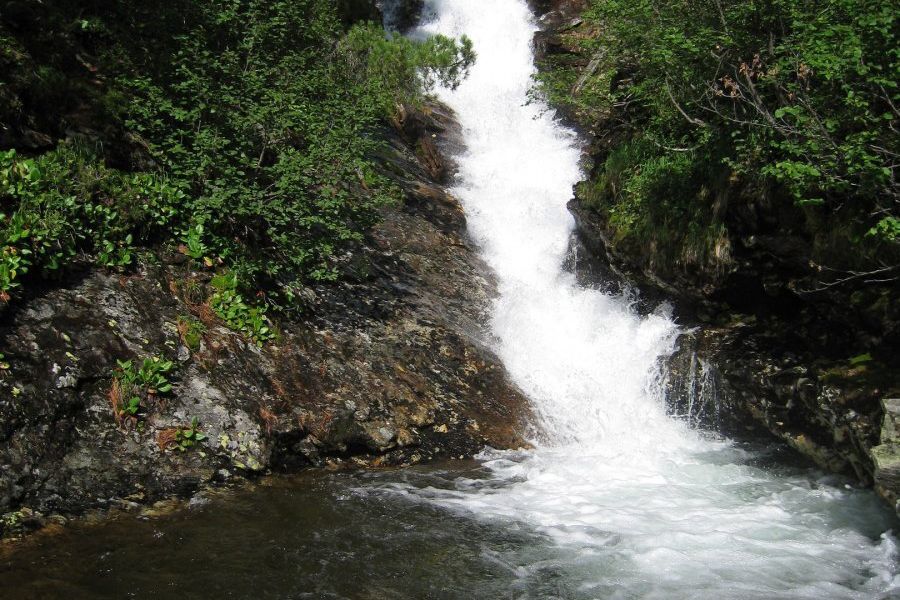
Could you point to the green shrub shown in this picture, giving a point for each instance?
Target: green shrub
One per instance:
(65, 204)
(269, 114)
(229, 305)
(795, 97)
(263, 120)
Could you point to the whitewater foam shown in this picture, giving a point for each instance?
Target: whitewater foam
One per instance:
(639, 504)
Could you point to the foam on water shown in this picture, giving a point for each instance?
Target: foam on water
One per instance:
(639, 505)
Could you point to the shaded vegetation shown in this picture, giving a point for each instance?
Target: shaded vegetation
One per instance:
(242, 132)
(789, 107)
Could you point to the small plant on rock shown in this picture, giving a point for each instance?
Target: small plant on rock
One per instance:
(134, 385)
(191, 331)
(229, 305)
(194, 245)
(181, 438)
(188, 437)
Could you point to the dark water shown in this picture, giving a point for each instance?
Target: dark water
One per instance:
(348, 535)
(298, 537)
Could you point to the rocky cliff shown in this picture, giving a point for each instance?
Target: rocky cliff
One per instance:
(773, 339)
(388, 367)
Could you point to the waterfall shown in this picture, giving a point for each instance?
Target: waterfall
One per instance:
(638, 504)
(588, 362)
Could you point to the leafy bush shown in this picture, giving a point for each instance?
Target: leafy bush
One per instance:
(792, 96)
(66, 204)
(269, 114)
(259, 121)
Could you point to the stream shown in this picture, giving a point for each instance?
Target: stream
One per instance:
(616, 501)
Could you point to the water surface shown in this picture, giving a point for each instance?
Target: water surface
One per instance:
(393, 534)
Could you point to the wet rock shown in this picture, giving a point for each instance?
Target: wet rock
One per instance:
(886, 455)
(730, 380)
(559, 32)
(401, 15)
(377, 359)
(354, 11)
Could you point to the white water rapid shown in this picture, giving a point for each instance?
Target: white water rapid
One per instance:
(630, 503)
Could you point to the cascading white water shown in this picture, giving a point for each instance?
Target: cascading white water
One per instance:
(635, 503)
(564, 345)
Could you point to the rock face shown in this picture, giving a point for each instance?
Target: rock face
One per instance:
(389, 367)
(769, 344)
(886, 456)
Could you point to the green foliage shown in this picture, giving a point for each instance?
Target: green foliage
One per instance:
(262, 118)
(888, 228)
(193, 242)
(13, 521)
(229, 305)
(191, 331)
(860, 359)
(267, 114)
(66, 204)
(793, 96)
(187, 437)
(396, 69)
(135, 384)
(658, 199)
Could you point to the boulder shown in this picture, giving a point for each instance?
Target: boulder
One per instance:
(354, 11)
